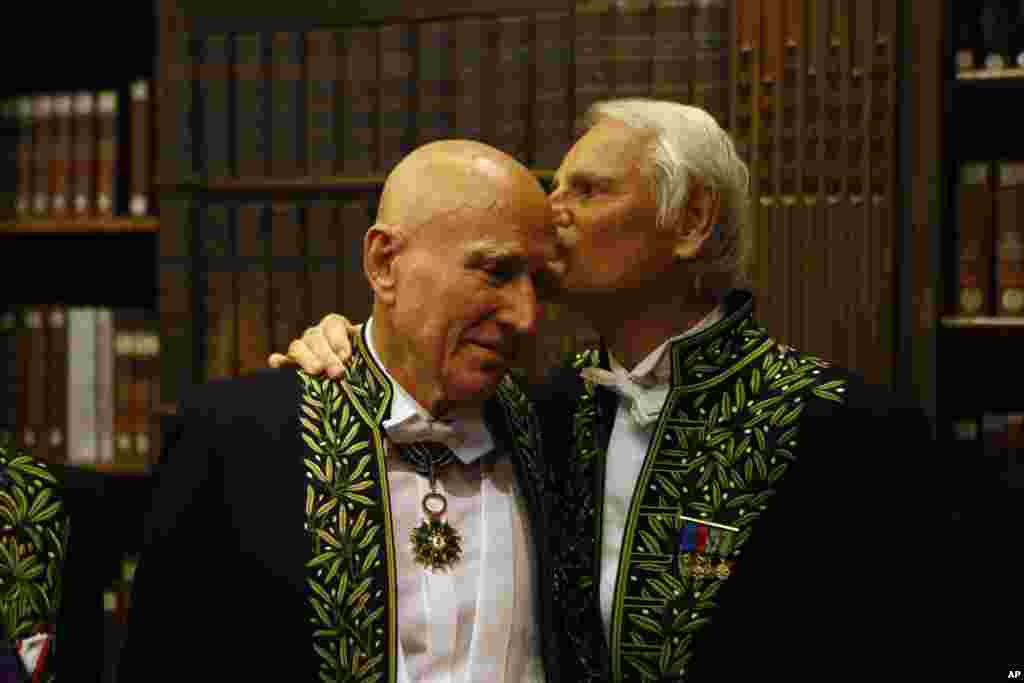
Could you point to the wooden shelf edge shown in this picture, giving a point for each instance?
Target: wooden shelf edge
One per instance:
(1012, 73)
(115, 467)
(303, 184)
(84, 225)
(983, 322)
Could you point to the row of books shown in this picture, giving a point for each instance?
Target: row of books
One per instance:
(815, 100)
(990, 238)
(815, 117)
(353, 101)
(65, 157)
(989, 35)
(82, 383)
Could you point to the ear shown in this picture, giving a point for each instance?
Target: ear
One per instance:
(381, 246)
(697, 221)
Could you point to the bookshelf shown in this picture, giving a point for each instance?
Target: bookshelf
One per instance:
(979, 352)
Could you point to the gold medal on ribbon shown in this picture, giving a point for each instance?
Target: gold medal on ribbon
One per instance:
(436, 545)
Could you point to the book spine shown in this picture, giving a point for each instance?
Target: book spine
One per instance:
(355, 291)
(9, 159)
(287, 133)
(42, 148)
(106, 152)
(36, 384)
(175, 286)
(60, 159)
(25, 155)
(141, 149)
(288, 291)
(632, 48)
(253, 240)
(513, 98)
(81, 434)
(10, 331)
(473, 96)
(214, 87)
(57, 385)
(147, 373)
(182, 69)
(104, 387)
(251, 88)
(672, 64)
(22, 374)
(125, 335)
(360, 107)
(711, 62)
(975, 240)
(1010, 240)
(324, 249)
(435, 81)
(593, 26)
(220, 295)
(396, 125)
(552, 123)
(83, 155)
(321, 94)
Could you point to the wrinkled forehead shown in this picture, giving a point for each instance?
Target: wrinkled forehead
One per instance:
(525, 232)
(609, 145)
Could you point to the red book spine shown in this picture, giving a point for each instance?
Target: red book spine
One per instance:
(1010, 240)
(60, 159)
(106, 152)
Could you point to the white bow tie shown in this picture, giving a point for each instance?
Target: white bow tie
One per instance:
(415, 427)
(643, 402)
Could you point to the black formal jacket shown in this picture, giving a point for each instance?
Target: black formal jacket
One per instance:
(269, 554)
(829, 481)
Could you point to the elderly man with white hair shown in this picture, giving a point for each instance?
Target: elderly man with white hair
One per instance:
(727, 507)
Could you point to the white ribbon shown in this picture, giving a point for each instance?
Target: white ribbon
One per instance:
(495, 603)
(441, 608)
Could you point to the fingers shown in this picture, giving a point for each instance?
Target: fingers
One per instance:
(276, 360)
(336, 336)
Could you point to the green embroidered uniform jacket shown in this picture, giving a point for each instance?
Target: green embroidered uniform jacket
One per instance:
(270, 554)
(819, 473)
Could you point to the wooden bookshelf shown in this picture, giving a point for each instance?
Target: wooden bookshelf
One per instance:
(72, 226)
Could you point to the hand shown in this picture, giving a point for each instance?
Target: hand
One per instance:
(325, 346)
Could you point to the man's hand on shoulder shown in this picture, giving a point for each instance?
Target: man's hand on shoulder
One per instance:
(323, 348)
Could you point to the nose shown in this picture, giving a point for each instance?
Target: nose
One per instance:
(520, 309)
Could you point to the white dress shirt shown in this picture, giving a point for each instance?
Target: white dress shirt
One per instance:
(627, 448)
(477, 621)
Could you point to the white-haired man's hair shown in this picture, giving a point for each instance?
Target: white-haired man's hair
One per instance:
(688, 143)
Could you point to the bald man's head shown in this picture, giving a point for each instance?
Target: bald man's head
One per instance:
(458, 259)
(447, 175)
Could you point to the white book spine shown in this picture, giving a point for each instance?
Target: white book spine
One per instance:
(81, 385)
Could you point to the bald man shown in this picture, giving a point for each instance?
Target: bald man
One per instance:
(387, 527)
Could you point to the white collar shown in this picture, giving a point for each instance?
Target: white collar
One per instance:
(477, 441)
(656, 367)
